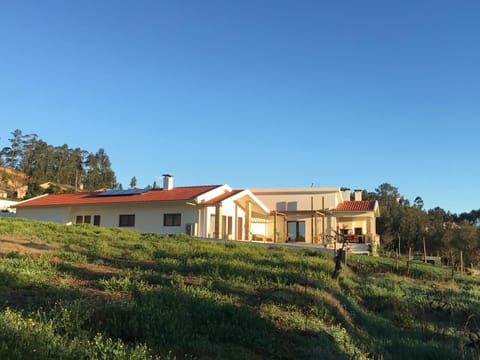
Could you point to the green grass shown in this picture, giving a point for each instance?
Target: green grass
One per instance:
(75, 292)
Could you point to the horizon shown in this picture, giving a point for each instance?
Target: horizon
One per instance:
(254, 94)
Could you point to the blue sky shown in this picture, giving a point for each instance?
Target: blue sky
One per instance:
(264, 93)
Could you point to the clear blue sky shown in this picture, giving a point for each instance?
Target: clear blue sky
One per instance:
(254, 93)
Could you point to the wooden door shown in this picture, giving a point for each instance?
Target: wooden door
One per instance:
(240, 228)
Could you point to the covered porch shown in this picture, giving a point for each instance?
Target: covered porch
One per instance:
(236, 215)
(302, 226)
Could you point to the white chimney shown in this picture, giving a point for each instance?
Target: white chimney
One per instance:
(345, 194)
(358, 195)
(167, 182)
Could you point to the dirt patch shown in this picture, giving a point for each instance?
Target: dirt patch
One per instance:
(82, 276)
(10, 244)
(92, 272)
(88, 288)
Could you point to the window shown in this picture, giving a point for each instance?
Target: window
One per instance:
(96, 220)
(83, 219)
(227, 226)
(126, 220)
(172, 219)
(296, 230)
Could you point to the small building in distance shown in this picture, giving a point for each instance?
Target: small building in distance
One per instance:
(13, 184)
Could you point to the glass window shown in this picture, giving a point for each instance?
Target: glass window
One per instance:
(227, 225)
(87, 219)
(126, 220)
(172, 219)
(79, 219)
(96, 220)
(296, 230)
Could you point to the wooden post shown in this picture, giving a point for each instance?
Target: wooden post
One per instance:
(218, 220)
(323, 220)
(274, 226)
(399, 252)
(461, 262)
(346, 252)
(452, 263)
(311, 220)
(424, 250)
(396, 261)
(409, 259)
(248, 221)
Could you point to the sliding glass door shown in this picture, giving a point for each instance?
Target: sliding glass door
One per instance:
(296, 231)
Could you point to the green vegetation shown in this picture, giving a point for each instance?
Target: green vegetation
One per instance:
(42, 162)
(86, 292)
(406, 227)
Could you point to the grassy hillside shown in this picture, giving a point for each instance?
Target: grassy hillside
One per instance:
(75, 292)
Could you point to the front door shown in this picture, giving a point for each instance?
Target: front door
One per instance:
(239, 228)
(296, 231)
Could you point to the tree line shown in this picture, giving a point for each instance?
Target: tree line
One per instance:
(42, 162)
(405, 226)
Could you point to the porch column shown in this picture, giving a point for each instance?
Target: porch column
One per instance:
(235, 224)
(218, 221)
(312, 216)
(248, 221)
(274, 226)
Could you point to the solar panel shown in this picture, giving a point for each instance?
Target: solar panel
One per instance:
(123, 192)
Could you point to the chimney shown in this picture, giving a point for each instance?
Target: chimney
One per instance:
(167, 182)
(345, 194)
(358, 195)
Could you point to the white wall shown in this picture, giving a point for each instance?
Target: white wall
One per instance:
(5, 204)
(58, 215)
(298, 199)
(148, 217)
(213, 193)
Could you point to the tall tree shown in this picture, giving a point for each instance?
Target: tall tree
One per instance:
(99, 173)
(133, 182)
(12, 154)
(388, 225)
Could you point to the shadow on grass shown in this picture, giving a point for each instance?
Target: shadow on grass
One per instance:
(189, 322)
(385, 337)
(30, 296)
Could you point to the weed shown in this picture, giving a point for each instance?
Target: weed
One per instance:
(144, 295)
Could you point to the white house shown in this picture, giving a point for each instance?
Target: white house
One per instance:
(308, 215)
(205, 211)
(7, 205)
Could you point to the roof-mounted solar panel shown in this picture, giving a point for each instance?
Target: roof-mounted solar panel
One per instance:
(123, 192)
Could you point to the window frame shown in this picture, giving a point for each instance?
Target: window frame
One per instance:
(126, 220)
(172, 219)
(83, 219)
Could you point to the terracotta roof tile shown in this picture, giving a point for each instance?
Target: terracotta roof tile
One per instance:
(366, 205)
(176, 194)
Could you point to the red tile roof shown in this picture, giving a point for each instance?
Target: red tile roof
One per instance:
(366, 205)
(182, 193)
